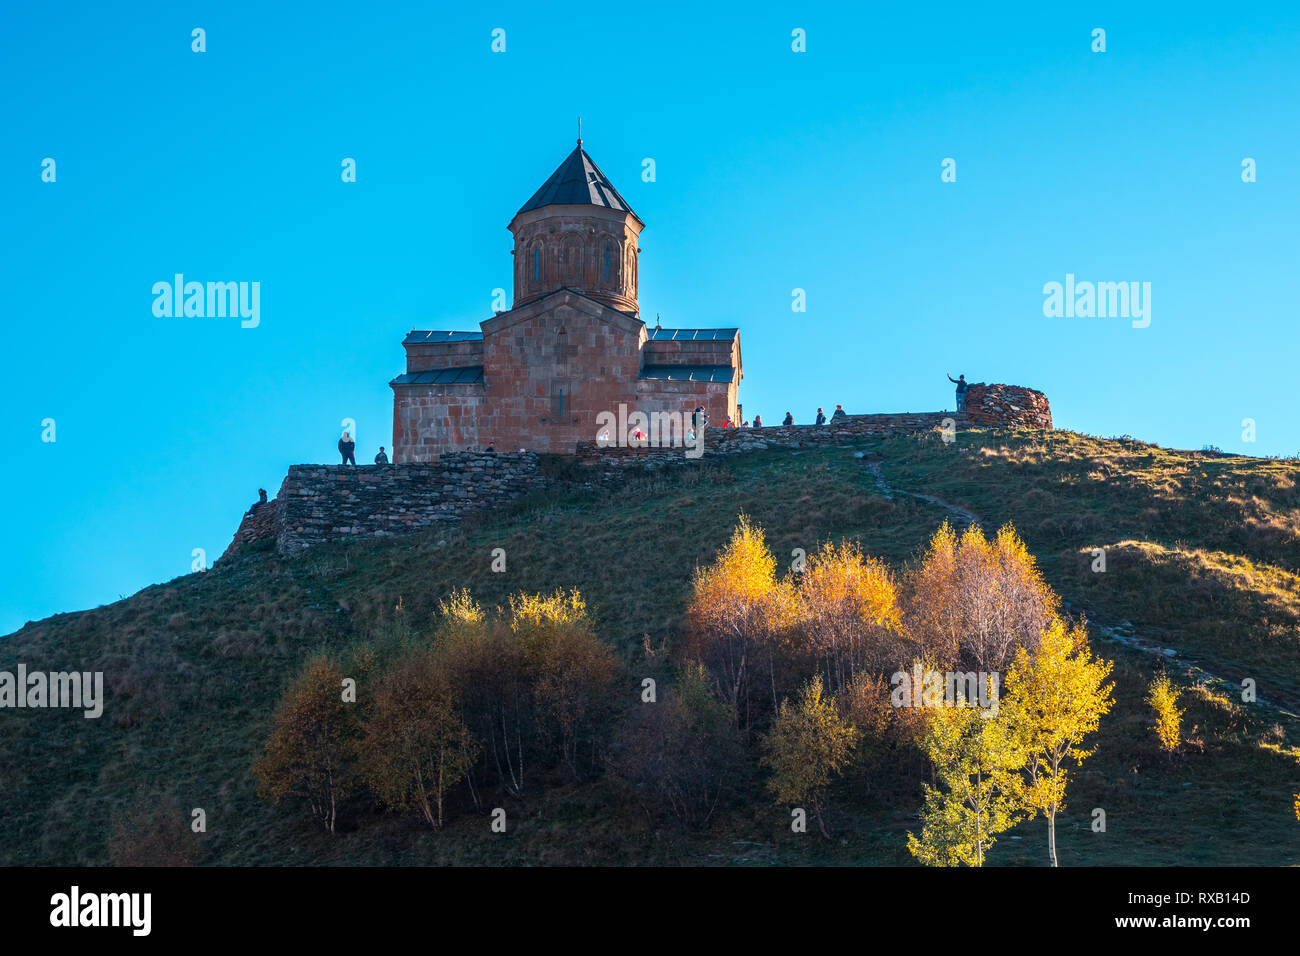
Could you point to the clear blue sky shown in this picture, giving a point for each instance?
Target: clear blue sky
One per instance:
(775, 171)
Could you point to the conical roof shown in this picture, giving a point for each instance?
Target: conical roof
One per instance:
(578, 182)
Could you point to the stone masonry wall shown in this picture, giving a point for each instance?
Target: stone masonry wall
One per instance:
(257, 526)
(730, 441)
(318, 503)
(1007, 405)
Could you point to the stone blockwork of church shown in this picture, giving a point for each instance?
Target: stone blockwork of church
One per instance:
(588, 249)
(549, 369)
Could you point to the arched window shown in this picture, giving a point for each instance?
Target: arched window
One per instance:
(607, 258)
(537, 263)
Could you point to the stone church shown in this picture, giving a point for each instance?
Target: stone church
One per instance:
(573, 344)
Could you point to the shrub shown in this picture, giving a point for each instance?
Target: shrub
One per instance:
(809, 744)
(312, 743)
(1163, 696)
(416, 747)
(680, 752)
(535, 682)
(152, 833)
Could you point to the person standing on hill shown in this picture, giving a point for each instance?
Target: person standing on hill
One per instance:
(960, 382)
(758, 421)
(347, 448)
(839, 414)
(789, 419)
(382, 457)
(821, 417)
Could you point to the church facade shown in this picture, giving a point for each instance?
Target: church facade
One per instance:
(571, 347)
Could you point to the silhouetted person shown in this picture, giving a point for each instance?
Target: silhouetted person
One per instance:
(261, 500)
(758, 421)
(347, 448)
(789, 419)
(381, 458)
(839, 414)
(960, 382)
(821, 418)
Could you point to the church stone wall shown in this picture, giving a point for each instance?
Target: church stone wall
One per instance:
(431, 420)
(654, 395)
(425, 356)
(693, 352)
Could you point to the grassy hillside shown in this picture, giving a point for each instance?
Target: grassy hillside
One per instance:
(1203, 553)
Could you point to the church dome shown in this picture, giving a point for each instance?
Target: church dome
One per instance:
(577, 233)
(578, 182)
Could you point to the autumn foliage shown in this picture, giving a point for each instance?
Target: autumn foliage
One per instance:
(972, 602)
(737, 623)
(849, 615)
(809, 745)
(810, 657)
(312, 744)
(416, 747)
(789, 680)
(1163, 696)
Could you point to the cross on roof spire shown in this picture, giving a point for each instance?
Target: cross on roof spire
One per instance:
(579, 130)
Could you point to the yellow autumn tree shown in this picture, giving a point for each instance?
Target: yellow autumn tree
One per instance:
(572, 674)
(977, 761)
(534, 683)
(312, 744)
(738, 623)
(972, 601)
(865, 705)
(1163, 696)
(1053, 699)
(808, 745)
(416, 747)
(849, 613)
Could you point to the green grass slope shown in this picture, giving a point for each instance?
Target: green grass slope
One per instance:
(1203, 553)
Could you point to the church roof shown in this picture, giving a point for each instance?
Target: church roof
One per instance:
(578, 182)
(693, 335)
(422, 336)
(467, 375)
(689, 373)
